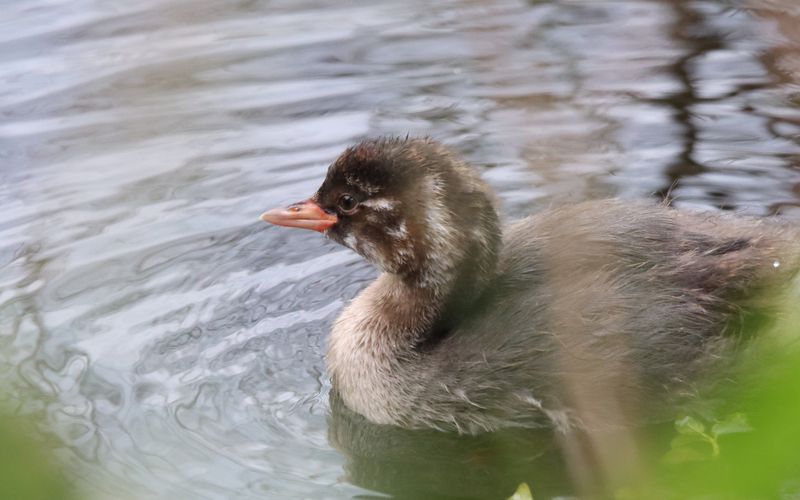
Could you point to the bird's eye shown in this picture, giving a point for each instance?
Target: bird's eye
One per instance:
(347, 203)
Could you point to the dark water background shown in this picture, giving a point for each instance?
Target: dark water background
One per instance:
(174, 343)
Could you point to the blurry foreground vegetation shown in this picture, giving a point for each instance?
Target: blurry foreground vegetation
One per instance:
(751, 451)
(27, 469)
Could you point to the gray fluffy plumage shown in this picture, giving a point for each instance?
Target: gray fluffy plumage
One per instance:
(585, 315)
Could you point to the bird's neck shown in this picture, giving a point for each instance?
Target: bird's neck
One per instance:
(381, 338)
(402, 316)
(429, 308)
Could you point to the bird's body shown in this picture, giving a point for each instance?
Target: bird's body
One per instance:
(614, 298)
(574, 316)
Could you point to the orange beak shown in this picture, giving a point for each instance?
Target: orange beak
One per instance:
(304, 214)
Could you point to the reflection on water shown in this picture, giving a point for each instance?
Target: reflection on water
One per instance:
(175, 343)
(429, 464)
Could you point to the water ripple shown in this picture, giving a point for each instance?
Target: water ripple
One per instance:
(175, 344)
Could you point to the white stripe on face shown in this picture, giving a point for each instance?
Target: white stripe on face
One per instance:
(442, 251)
(380, 204)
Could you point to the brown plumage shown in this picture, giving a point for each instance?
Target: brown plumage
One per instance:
(569, 317)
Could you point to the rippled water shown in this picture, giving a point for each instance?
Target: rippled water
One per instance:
(174, 343)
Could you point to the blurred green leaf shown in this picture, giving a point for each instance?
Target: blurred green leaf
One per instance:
(689, 440)
(686, 454)
(689, 425)
(758, 458)
(28, 470)
(523, 493)
(733, 424)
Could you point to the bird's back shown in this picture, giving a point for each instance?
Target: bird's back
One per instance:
(598, 304)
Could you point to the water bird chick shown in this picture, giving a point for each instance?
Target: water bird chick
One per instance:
(582, 315)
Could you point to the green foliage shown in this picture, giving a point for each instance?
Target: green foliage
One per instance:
(523, 493)
(750, 454)
(694, 443)
(27, 472)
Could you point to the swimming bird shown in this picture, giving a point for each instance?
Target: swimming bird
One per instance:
(578, 315)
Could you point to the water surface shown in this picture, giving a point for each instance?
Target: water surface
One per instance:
(175, 344)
